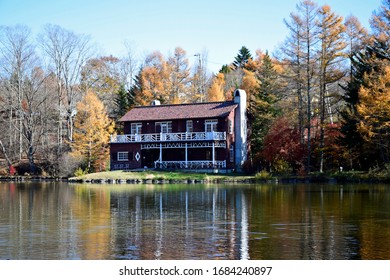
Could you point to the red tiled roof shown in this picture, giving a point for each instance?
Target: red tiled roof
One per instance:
(181, 111)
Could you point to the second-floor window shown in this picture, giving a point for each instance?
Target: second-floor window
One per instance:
(210, 125)
(189, 126)
(136, 128)
(164, 127)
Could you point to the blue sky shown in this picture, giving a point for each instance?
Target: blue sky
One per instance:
(220, 27)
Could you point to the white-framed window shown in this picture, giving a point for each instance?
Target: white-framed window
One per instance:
(231, 153)
(210, 125)
(136, 128)
(230, 126)
(189, 126)
(123, 156)
(164, 127)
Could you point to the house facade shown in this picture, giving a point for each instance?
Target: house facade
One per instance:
(211, 137)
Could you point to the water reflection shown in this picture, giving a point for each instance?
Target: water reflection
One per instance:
(60, 221)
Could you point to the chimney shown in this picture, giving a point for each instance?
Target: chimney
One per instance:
(155, 103)
(240, 126)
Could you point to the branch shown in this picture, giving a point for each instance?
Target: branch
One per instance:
(5, 154)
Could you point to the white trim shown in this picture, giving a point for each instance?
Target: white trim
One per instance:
(168, 137)
(189, 126)
(197, 164)
(210, 125)
(136, 128)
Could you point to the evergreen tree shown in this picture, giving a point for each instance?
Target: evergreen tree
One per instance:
(244, 55)
(124, 101)
(263, 105)
(225, 69)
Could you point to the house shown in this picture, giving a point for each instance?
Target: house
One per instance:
(211, 137)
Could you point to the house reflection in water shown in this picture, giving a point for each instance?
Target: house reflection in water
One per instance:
(197, 224)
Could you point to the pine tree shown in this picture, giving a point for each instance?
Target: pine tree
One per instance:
(244, 55)
(124, 101)
(263, 105)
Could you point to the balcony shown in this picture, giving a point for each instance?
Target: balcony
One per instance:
(199, 164)
(168, 137)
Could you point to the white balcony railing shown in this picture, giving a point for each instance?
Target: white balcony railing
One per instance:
(168, 137)
(197, 164)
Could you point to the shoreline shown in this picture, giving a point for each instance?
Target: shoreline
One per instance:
(166, 177)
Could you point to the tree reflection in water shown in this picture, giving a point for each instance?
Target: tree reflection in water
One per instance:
(61, 221)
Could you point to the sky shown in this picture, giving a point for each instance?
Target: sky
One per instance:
(219, 28)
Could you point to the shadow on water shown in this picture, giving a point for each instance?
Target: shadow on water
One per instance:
(62, 221)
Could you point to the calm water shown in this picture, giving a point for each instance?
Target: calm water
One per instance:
(61, 221)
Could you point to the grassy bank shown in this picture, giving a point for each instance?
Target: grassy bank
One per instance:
(159, 176)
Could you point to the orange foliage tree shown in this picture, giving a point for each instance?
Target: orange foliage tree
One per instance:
(92, 132)
(216, 90)
(374, 111)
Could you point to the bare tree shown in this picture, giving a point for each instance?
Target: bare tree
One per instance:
(67, 53)
(129, 66)
(17, 55)
(355, 34)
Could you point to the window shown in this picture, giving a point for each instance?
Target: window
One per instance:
(231, 153)
(136, 128)
(164, 127)
(210, 125)
(123, 156)
(230, 126)
(189, 126)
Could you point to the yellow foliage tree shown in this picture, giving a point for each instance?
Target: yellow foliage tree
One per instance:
(92, 132)
(216, 90)
(374, 110)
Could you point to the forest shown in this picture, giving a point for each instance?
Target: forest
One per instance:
(319, 103)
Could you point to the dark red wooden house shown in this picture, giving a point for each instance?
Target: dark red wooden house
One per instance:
(200, 136)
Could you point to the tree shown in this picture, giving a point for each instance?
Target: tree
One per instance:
(292, 54)
(309, 12)
(374, 111)
(367, 61)
(92, 132)
(124, 101)
(200, 80)
(242, 58)
(18, 58)
(102, 75)
(380, 23)
(216, 90)
(282, 149)
(331, 57)
(68, 52)
(154, 78)
(178, 76)
(355, 35)
(264, 110)
(300, 52)
(35, 113)
(129, 66)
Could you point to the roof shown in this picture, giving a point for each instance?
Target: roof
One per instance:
(180, 111)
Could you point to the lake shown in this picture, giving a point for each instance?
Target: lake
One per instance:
(184, 222)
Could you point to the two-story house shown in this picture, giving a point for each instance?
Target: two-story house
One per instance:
(200, 136)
